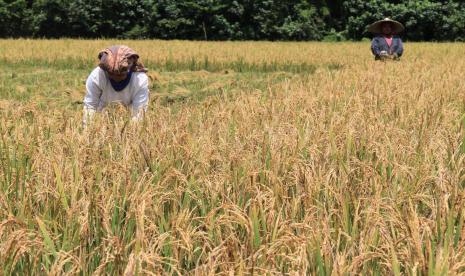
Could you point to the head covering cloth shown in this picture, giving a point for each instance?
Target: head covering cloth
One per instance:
(120, 59)
(377, 27)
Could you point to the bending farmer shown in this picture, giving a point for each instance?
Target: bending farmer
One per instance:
(119, 77)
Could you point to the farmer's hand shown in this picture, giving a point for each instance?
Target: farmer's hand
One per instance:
(87, 116)
(138, 115)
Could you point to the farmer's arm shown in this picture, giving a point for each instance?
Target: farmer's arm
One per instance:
(400, 49)
(92, 98)
(375, 47)
(141, 98)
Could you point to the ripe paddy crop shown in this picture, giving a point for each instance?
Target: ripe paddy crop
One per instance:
(254, 158)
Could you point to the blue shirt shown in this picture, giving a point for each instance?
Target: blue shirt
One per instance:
(379, 44)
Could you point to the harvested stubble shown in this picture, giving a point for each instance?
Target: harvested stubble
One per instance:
(352, 167)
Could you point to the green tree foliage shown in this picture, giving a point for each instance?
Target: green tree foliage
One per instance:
(191, 20)
(15, 18)
(424, 20)
(229, 19)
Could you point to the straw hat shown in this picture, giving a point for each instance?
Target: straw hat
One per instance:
(376, 27)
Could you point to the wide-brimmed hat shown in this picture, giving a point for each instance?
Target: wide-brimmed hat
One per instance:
(377, 27)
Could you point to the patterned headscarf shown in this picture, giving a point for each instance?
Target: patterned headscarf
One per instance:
(119, 59)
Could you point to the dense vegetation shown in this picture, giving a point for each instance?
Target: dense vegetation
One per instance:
(229, 19)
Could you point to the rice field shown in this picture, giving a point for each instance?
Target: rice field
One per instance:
(254, 158)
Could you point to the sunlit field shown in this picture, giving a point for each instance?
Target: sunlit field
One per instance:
(253, 158)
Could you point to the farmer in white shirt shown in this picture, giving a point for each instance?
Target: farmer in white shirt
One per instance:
(120, 78)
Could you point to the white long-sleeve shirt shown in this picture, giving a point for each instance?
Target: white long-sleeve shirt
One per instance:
(100, 93)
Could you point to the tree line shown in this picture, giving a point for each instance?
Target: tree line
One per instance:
(425, 20)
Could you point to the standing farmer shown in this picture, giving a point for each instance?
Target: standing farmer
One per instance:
(120, 78)
(386, 43)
